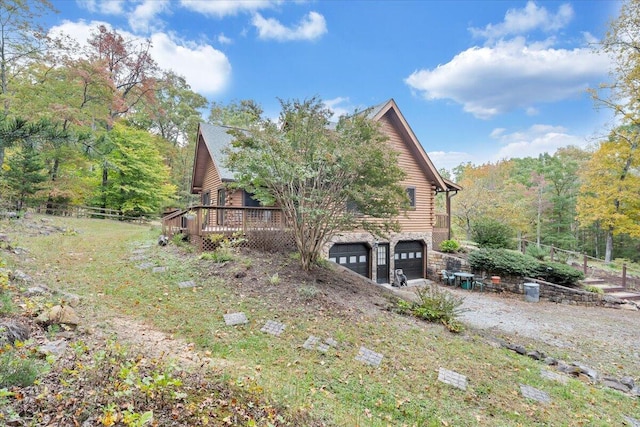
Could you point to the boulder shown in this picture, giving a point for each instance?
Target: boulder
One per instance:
(37, 290)
(58, 314)
(20, 276)
(70, 299)
(615, 384)
(12, 330)
(54, 348)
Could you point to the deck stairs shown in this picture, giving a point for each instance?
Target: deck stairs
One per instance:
(616, 291)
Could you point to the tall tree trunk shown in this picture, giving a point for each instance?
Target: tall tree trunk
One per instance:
(608, 253)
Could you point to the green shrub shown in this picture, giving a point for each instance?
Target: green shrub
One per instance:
(308, 293)
(503, 262)
(449, 246)
(6, 304)
(17, 370)
(490, 233)
(537, 252)
(560, 274)
(218, 256)
(511, 263)
(434, 305)
(594, 289)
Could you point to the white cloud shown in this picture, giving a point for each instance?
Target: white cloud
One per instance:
(511, 71)
(312, 26)
(339, 106)
(511, 75)
(522, 21)
(222, 39)
(222, 8)
(206, 69)
(107, 7)
(536, 140)
(450, 159)
(142, 17)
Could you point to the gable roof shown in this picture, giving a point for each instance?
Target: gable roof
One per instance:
(390, 109)
(213, 139)
(211, 142)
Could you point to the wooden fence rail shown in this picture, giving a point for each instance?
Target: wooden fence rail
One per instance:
(589, 265)
(80, 211)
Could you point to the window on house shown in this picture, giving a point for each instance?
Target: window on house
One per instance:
(411, 194)
(250, 201)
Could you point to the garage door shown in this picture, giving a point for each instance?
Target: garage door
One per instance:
(409, 256)
(354, 256)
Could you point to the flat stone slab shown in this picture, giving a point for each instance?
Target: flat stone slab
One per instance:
(369, 357)
(233, 319)
(138, 251)
(272, 327)
(159, 269)
(330, 341)
(138, 258)
(535, 394)
(145, 265)
(632, 421)
(314, 343)
(554, 376)
(187, 284)
(452, 378)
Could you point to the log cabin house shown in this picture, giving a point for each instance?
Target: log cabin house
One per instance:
(225, 211)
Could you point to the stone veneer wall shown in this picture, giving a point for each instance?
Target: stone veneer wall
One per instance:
(370, 240)
(438, 261)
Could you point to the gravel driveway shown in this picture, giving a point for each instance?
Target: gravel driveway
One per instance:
(604, 338)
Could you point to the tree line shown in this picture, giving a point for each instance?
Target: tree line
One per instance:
(578, 199)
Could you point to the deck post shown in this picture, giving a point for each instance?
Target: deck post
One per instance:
(584, 265)
(624, 275)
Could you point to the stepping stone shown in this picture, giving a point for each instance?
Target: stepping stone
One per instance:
(138, 258)
(452, 378)
(313, 343)
(330, 341)
(550, 375)
(233, 319)
(632, 421)
(369, 357)
(535, 394)
(139, 251)
(187, 284)
(272, 327)
(159, 269)
(145, 265)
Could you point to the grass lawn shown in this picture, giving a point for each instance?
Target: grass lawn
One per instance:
(95, 262)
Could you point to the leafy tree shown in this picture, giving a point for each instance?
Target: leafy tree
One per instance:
(174, 116)
(491, 233)
(313, 173)
(139, 183)
(25, 171)
(611, 183)
(21, 40)
(240, 114)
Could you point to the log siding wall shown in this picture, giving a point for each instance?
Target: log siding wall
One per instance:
(420, 219)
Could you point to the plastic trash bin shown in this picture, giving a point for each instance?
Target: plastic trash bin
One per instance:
(531, 292)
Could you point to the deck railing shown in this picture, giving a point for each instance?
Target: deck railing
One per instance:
(203, 220)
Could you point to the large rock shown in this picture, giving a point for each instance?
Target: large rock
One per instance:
(12, 331)
(54, 348)
(70, 299)
(60, 315)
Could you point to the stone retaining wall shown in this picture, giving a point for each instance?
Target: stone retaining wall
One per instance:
(438, 261)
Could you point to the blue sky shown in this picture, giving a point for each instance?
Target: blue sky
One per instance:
(477, 81)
